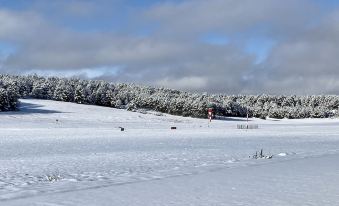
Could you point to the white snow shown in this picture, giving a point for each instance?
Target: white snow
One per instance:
(283, 154)
(57, 153)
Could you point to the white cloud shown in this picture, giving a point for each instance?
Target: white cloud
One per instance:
(303, 57)
(191, 83)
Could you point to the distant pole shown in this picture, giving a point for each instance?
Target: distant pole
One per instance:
(210, 114)
(247, 116)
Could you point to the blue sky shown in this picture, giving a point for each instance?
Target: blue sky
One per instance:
(7, 48)
(193, 45)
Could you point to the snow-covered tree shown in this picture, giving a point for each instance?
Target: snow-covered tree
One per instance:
(133, 97)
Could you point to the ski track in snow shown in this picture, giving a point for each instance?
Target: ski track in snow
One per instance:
(82, 147)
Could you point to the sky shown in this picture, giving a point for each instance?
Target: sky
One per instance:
(215, 46)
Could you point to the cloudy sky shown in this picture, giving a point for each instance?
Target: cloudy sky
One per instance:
(218, 46)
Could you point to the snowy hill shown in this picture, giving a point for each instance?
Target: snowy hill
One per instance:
(57, 153)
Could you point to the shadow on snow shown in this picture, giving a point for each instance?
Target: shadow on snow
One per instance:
(29, 108)
(236, 119)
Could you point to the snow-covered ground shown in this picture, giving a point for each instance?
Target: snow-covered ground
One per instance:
(57, 153)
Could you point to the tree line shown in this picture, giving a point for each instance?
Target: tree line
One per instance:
(136, 97)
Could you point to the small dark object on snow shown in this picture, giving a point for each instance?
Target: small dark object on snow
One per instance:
(260, 155)
(122, 129)
(173, 127)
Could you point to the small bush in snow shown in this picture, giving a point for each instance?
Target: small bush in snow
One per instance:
(53, 177)
(260, 155)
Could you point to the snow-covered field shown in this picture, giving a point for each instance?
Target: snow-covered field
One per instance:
(57, 153)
